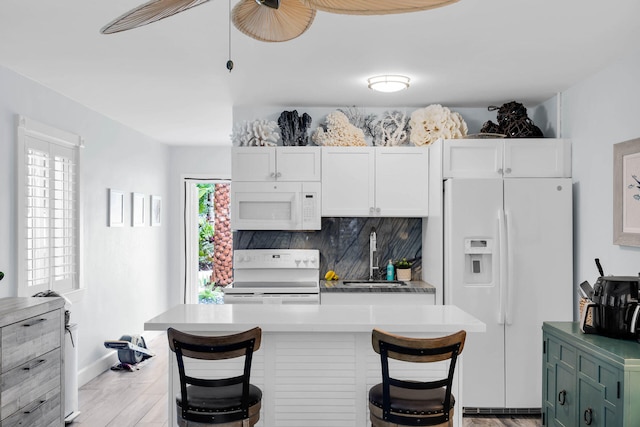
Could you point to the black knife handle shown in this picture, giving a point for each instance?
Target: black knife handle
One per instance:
(599, 267)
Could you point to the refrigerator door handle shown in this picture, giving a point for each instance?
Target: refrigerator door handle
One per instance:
(502, 248)
(508, 318)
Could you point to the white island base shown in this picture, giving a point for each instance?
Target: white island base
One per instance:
(316, 363)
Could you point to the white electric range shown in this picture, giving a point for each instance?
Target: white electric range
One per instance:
(275, 276)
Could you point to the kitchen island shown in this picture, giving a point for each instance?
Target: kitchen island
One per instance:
(316, 363)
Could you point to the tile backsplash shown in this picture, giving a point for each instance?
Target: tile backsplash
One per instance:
(344, 243)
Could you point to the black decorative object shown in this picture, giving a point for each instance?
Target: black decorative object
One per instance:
(293, 128)
(512, 122)
(1, 275)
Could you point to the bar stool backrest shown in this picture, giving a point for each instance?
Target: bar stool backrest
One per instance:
(419, 350)
(214, 348)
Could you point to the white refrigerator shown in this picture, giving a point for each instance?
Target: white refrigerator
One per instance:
(508, 251)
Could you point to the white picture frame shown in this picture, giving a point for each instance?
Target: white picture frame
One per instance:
(137, 209)
(116, 208)
(156, 211)
(626, 193)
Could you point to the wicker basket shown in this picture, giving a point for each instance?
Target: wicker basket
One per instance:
(583, 304)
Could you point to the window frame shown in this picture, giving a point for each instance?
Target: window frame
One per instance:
(34, 134)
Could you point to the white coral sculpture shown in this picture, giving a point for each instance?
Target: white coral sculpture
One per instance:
(339, 132)
(357, 118)
(256, 133)
(433, 122)
(391, 129)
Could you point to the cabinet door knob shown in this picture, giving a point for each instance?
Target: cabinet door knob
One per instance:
(370, 210)
(507, 170)
(377, 210)
(500, 171)
(588, 416)
(562, 397)
(272, 174)
(278, 175)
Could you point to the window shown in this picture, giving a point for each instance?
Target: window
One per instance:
(48, 215)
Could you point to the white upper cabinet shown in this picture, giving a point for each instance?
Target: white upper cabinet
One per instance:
(402, 178)
(375, 181)
(266, 164)
(348, 177)
(507, 158)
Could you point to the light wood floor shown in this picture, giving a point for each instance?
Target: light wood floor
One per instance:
(128, 399)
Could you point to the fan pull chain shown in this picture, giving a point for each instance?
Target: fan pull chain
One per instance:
(229, 62)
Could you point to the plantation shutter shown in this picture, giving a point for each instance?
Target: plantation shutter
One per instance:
(48, 238)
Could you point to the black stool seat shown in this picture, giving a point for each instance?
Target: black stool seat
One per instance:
(219, 399)
(411, 402)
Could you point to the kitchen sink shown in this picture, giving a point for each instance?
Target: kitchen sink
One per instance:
(373, 283)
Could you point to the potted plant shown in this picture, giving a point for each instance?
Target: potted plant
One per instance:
(403, 270)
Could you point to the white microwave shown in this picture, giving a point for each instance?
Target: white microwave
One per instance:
(275, 205)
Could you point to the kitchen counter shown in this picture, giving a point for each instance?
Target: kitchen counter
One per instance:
(315, 318)
(414, 286)
(316, 364)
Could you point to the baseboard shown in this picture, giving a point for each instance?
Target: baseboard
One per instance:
(105, 363)
(101, 365)
(501, 411)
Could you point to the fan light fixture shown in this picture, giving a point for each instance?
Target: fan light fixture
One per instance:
(388, 83)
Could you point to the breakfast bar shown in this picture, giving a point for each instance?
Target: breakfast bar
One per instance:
(316, 363)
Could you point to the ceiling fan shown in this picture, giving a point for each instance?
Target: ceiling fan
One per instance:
(270, 20)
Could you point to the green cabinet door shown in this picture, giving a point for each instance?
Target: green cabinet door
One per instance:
(590, 408)
(560, 395)
(565, 395)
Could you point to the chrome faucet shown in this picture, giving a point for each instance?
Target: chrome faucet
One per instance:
(373, 252)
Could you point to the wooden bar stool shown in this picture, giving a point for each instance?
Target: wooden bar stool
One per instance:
(222, 402)
(396, 402)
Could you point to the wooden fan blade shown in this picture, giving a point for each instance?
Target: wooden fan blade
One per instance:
(374, 7)
(149, 12)
(263, 23)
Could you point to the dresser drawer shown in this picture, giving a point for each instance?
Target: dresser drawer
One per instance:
(30, 338)
(45, 411)
(25, 383)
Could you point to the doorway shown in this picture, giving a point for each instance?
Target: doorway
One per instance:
(209, 240)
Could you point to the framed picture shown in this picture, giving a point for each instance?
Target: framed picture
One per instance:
(156, 211)
(626, 193)
(137, 209)
(116, 208)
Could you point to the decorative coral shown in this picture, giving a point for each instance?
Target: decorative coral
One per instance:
(257, 132)
(433, 122)
(293, 128)
(513, 122)
(338, 132)
(392, 129)
(357, 118)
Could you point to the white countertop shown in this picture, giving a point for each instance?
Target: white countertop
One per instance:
(315, 318)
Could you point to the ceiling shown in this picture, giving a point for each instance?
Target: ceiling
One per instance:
(168, 80)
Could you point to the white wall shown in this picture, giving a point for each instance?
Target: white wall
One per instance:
(596, 114)
(125, 269)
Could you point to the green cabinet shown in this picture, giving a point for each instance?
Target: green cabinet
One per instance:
(589, 379)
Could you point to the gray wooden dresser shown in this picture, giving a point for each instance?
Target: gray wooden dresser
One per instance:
(31, 362)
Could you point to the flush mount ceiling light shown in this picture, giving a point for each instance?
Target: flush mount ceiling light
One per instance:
(388, 83)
